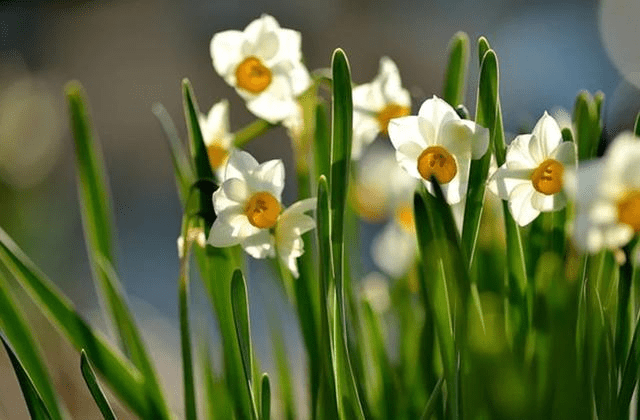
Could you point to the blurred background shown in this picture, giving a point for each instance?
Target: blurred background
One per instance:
(129, 54)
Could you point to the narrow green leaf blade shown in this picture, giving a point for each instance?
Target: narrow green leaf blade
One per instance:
(97, 218)
(182, 168)
(14, 326)
(92, 383)
(483, 47)
(586, 121)
(265, 398)
(454, 82)
(124, 378)
(199, 155)
(243, 331)
(37, 409)
(322, 141)
(636, 126)
(433, 401)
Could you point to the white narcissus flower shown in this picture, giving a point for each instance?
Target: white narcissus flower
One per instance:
(437, 142)
(376, 103)
(532, 177)
(608, 197)
(395, 249)
(249, 211)
(264, 64)
(216, 135)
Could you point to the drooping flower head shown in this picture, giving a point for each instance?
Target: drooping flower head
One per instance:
(376, 103)
(264, 64)
(438, 143)
(216, 135)
(608, 197)
(532, 178)
(248, 208)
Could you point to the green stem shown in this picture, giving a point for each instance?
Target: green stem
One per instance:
(251, 131)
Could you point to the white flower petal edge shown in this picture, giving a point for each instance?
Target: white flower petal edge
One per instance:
(438, 125)
(523, 179)
(215, 133)
(603, 186)
(370, 99)
(394, 249)
(292, 224)
(277, 52)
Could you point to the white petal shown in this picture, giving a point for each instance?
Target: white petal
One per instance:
(464, 138)
(299, 79)
(520, 204)
(518, 156)
(565, 153)
(391, 85)
(221, 234)
(290, 45)
(260, 245)
(505, 180)
(302, 206)
(394, 250)
(236, 190)
(618, 235)
(276, 103)
(269, 176)
(365, 130)
(551, 202)
(226, 52)
(411, 129)
(368, 98)
(261, 38)
(603, 212)
(548, 135)
(407, 156)
(222, 203)
(437, 112)
(240, 164)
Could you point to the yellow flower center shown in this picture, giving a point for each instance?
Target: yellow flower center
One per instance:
(547, 178)
(404, 217)
(263, 210)
(629, 210)
(217, 155)
(252, 75)
(390, 111)
(436, 161)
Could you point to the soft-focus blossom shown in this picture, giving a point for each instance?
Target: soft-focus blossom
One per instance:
(437, 142)
(376, 103)
(248, 208)
(216, 135)
(264, 64)
(532, 177)
(395, 249)
(380, 184)
(374, 288)
(608, 197)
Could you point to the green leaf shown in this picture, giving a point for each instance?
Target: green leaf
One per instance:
(182, 168)
(586, 120)
(322, 141)
(37, 409)
(95, 206)
(327, 402)
(185, 331)
(265, 398)
(433, 401)
(487, 109)
(456, 69)
(92, 383)
(636, 126)
(251, 131)
(125, 380)
(18, 333)
(243, 331)
(483, 47)
(199, 155)
(283, 369)
(342, 132)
